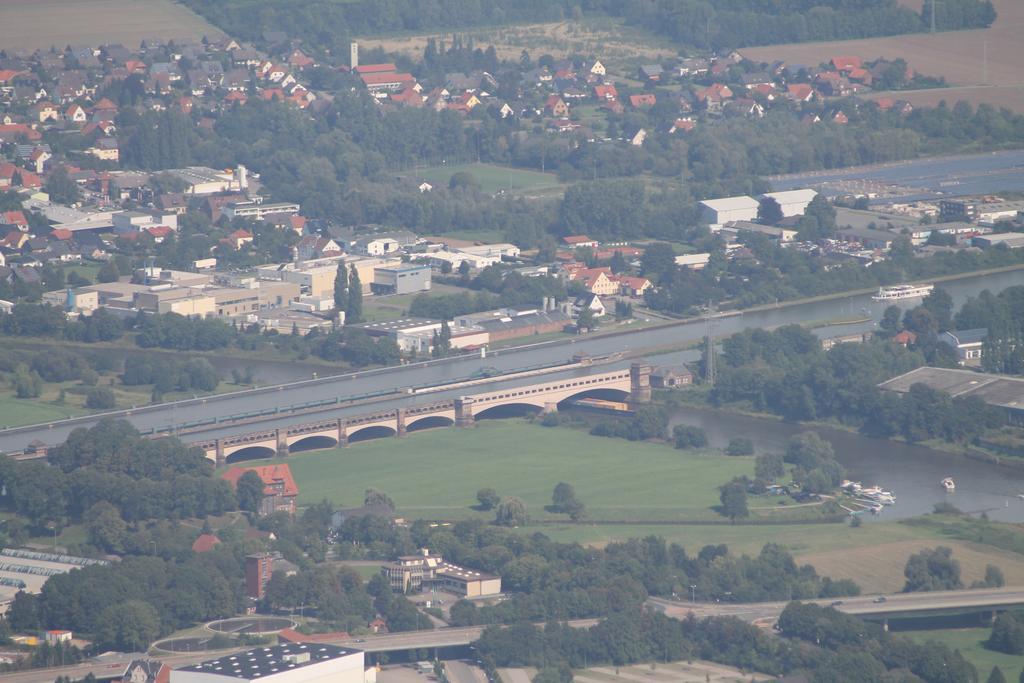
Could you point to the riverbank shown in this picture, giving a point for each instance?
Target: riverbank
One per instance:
(699, 402)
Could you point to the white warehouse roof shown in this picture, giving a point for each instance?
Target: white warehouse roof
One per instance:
(731, 203)
(792, 196)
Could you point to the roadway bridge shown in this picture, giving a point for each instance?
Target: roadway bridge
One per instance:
(632, 383)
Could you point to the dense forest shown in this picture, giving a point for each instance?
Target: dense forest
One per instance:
(329, 26)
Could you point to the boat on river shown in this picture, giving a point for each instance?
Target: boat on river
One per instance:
(948, 484)
(898, 292)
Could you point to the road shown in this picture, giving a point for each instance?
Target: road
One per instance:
(898, 605)
(437, 372)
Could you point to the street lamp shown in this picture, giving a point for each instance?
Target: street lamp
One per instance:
(693, 592)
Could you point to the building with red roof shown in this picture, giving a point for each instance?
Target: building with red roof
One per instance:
(279, 488)
(375, 69)
(205, 543)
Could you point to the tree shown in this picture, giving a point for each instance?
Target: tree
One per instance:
(27, 383)
(994, 578)
(105, 527)
(511, 512)
(129, 626)
(100, 398)
(769, 466)
(769, 212)
(586, 320)
(688, 436)
(932, 569)
(488, 498)
(341, 287)
(740, 445)
(733, 497)
(374, 497)
(891, 319)
(61, 188)
(1007, 635)
(249, 491)
(354, 305)
(563, 499)
(463, 179)
(996, 676)
(108, 272)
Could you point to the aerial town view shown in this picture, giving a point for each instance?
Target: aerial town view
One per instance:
(511, 341)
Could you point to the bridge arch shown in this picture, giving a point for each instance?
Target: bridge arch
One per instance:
(505, 410)
(312, 443)
(250, 453)
(371, 432)
(429, 422)
(603, 393)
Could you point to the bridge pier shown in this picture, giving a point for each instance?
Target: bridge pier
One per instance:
(400, 422)
(464, 411)
(342, 433)
(885, 625)
(219, 453)
(639, 383)
(281, 436)
(550, 407)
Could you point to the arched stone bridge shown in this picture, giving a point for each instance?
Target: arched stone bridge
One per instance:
(631, 384)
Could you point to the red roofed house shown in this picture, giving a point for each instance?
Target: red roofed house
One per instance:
(633, 286)
(205, 543)
(10, 132)
(684, 125)
(61, 234)
(606, 91)
(905, 338)
(643, 100)
(159, 232)
(238, 239)
(597, 281)
(15, 218)
(378, 83)
(556, 106)
(279, 491)
(800, 92)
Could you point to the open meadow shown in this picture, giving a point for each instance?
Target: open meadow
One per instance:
(31, 24)
(436, 473)
(492, 178)
(984, 63)
(970, 642)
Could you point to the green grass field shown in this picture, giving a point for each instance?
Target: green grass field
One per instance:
(970, 643)
(15, 412)
(437, 473)
(491, 178)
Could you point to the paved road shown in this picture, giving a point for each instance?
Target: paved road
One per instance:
(895, 605)
(460, 672)
(432, 373)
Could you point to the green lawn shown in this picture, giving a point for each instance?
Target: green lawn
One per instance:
(970, 643)
(437, 473)
(743, 538)
(492, 178)
(15, 412)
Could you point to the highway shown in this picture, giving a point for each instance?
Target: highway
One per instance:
(437, 372)
(762, 613)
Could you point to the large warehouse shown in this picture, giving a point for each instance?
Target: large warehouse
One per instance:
(792, 202)
(290, 663)
(1000, 391)
(728, 209)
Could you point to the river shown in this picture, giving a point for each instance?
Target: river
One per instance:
(911, 472)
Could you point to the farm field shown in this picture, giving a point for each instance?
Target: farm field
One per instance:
(436, 473)
(46, 23)
(970, 643)
(879, 569)
(15, 412)
(958, 56)
(619, 46)
(491, 178)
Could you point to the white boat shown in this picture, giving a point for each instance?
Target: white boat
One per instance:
(948, 484)
(897, 292)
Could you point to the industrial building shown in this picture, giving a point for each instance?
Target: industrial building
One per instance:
(792, 202)
(1001, 391)
(404, 279)
(1010, 240)
(728, 209)
(256, 209)
(289, 663)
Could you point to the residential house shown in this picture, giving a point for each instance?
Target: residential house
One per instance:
(633, 286)
(596, 280)
(314, 247)
(670, 377)
(576, 241)
(605, 91)
(652, 73)
(556, 106)
(279, 492)
(642, 100)
(800, 92)
(968, 344)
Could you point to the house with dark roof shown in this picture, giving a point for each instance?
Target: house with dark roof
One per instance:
(968, 344)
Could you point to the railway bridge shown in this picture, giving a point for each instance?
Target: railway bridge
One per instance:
(631, 384)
